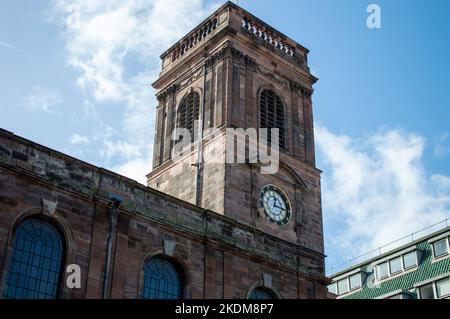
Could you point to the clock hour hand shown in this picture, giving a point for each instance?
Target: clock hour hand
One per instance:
(277, 206)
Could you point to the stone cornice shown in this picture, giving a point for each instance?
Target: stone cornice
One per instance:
(306, 92)
(239, 57)
(162, 96)
(243, 58)
(299, 89)
(215, 57)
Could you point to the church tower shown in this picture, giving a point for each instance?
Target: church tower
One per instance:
(233, 71)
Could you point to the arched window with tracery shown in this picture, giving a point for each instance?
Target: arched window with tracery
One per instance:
(272, 116)
(162, 280)
(36, 261)
(189, 112)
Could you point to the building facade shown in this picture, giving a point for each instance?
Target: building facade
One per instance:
(209, 229)
(418, 270)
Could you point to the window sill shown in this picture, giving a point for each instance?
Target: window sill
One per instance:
(349, 293)
(437, 259)
(396, 275)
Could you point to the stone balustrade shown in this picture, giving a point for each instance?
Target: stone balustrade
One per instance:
(267, 36)
(197, 36)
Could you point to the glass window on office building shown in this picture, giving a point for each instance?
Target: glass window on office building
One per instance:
(333, 288)
(382, 271)
(426, 292)
(443, 287)
(395, 265)
(343, 286)
(355, 281)
(440, 247)
(409, 260)
(402, 295)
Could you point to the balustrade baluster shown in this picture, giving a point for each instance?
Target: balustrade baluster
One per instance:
(203, 33)
(195, 38)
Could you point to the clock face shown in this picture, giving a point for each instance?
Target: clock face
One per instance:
(275, 204)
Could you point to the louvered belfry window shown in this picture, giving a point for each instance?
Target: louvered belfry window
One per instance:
(188, 112)
(272, 116)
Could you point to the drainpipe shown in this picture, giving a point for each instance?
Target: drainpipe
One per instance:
(200, 135)
(113, 214)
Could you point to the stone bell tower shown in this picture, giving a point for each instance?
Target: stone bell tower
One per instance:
(235, 71)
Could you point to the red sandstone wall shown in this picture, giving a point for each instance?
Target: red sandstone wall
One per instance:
(220, 257)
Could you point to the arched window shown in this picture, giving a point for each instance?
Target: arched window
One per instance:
(162, 280)
(188, 112)
(272, 116)
(36, 261)
(262, 293)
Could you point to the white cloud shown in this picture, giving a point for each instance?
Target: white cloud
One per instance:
(376, 189)
(120, 148)
(115, 47)
(42, 99)
(79, 139)
(135, 169)
(102, 38)
(442, 146)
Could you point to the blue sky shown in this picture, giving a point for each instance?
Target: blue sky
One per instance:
(75, 76)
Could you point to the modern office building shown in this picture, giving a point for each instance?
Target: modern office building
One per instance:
(418, 270)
